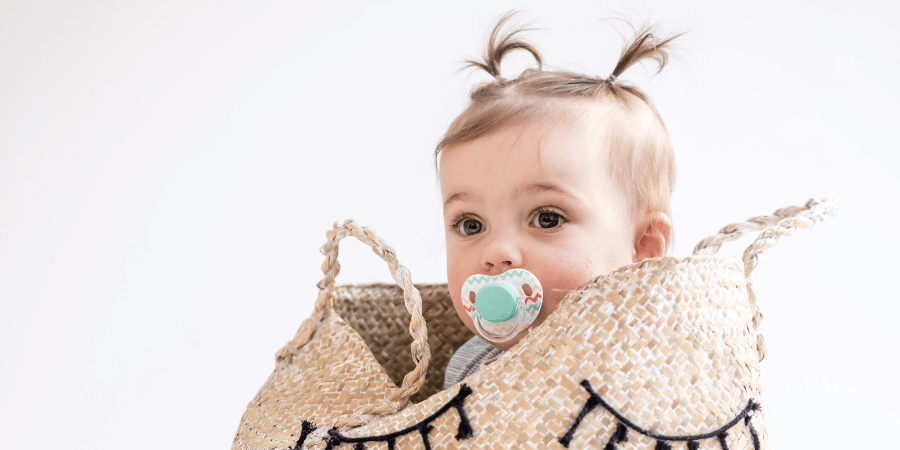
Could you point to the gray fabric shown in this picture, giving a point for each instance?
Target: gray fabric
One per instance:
(468, 359)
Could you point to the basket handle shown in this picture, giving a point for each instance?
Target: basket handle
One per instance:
(421, 353)
(783, 222)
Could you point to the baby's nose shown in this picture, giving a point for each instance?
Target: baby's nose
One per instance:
(501, 263)
(501, 254)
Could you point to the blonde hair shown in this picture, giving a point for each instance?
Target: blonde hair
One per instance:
(641, 157)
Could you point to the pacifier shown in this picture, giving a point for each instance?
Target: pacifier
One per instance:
(501, 306)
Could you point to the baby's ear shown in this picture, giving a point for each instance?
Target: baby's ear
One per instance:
(652, 237)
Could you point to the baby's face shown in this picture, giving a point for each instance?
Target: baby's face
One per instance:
(536, 198)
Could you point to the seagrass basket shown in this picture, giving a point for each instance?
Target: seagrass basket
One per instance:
(660, 354)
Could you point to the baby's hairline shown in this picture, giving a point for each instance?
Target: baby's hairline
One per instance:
(554, 114)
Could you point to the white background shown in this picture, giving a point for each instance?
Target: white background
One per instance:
(168, 170)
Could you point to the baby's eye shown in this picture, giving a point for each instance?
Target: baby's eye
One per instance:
(548, 219)
(469, 227)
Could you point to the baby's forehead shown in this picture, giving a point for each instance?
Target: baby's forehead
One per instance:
(530, 154)
(568, 141)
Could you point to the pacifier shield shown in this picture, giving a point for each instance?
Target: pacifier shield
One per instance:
(501, 306)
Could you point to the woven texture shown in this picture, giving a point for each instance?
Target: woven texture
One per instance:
(668, 348)
(376, 311)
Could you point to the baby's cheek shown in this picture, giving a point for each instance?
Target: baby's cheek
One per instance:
(572, 272)
(558, 286)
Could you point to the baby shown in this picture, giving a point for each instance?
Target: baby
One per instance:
(567, 176)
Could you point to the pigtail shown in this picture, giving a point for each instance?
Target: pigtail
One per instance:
(644, 45)
(503, 40)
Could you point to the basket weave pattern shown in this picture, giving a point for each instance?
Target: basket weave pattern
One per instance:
(339, 375)
(377, 313)
(670, 347)
(650, 341)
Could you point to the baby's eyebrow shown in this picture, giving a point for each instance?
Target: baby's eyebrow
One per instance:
(531, 189)
(457, 197)
(538, 188)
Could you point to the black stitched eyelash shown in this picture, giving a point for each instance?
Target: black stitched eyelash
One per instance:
(621, 433)
(464, 431)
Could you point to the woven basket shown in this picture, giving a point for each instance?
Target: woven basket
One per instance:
(656, 355)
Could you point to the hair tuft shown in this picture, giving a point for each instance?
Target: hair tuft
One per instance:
(503, 40)
(644, 45)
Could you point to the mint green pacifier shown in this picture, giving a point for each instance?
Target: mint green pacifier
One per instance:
(501, 306)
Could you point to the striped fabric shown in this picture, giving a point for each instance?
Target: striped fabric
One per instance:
(468, 359)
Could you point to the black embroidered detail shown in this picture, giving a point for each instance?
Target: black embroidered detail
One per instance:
(331, 442)
(308, 427)
(424, 432)
(589, 406)
(424, 427)
(721, 437)
(752, 433)
(619, 435)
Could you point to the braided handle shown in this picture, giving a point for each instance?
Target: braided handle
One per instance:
(421, 353)
(711, 245)
(783, 222)
(805, 218)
